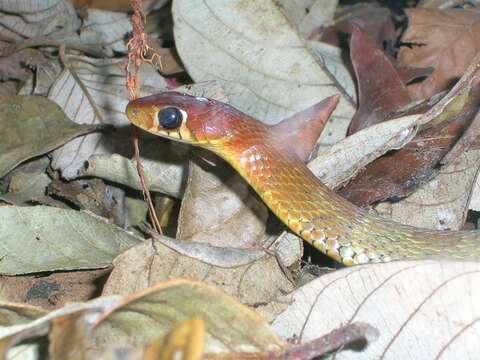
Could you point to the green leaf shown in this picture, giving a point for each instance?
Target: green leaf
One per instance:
(32, 126)
(42, 238)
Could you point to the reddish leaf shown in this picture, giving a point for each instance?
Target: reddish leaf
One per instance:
(381, 83)
(374, 20)
(380, 89)
(384, 178)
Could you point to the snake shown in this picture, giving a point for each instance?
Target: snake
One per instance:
(331, 224)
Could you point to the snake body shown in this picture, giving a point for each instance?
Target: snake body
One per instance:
(330, 223)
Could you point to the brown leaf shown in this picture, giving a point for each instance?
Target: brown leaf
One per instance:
(92, 195)
(143, 317)
(219, 209)
(446, 40)
(374, 20)
(384, 178)
(149, 263)
(381, 89)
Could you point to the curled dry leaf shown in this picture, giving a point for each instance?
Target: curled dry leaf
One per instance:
(266, 68)
(258, 280)
(41, 238)
(446, 40)
(92, 91)
(422, 310)
(230, 326)
(31, 126)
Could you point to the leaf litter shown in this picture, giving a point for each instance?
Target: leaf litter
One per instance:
(71, 199)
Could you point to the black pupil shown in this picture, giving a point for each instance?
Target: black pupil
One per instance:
(170, 118)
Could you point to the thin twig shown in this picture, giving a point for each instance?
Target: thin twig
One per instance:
(136, 48)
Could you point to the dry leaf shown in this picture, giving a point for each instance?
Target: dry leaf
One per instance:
(105, 29)
(42, 238)
(422, 309)
(343, 160)
(441, 203)
(12, 335)
(219, 209)
(251, 48)
(147, 264)
(445, 40)
(230, 326)
(31, 126)
(32, 18)
(104, 80)
(92, 195)
(306, 15)
(164, 164)
(383, 178)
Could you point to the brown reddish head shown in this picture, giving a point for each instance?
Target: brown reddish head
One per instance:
(195, 120)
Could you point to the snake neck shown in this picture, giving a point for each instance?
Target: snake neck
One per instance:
(330, 223)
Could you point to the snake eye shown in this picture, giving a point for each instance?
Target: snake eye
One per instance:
(170, 117)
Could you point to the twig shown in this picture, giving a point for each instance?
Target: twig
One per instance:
(136, 48)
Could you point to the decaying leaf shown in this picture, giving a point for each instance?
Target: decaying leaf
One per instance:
(230, 326)
(41, 238)
(446, 40)
(31, 126)
(423, 309)
(251, 48)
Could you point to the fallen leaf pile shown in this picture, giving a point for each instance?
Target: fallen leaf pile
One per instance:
(85, 275)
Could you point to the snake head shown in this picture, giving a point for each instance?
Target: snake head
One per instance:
(194, 120)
